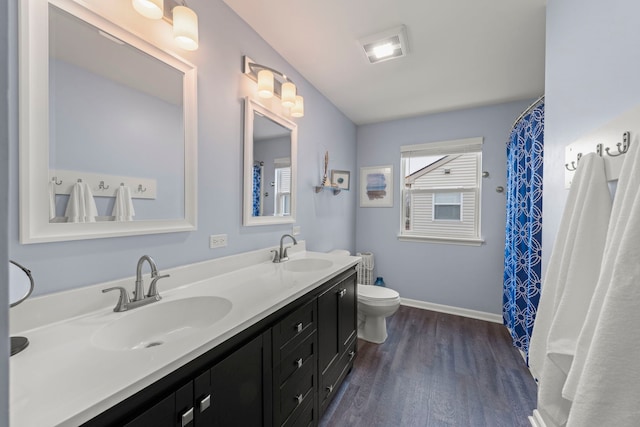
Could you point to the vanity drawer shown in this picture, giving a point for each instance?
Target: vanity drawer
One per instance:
(297, 389)
(304, 416)
(296, 359)
(292, 329)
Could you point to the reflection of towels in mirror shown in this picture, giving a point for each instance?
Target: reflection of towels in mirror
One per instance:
(81, 206)
(52, 200)
(123, 206)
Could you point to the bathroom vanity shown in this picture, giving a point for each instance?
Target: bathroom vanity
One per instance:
(276, 355)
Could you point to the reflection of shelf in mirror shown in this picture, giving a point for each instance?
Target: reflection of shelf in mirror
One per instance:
(335, 190)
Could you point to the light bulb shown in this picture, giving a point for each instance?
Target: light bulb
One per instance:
(185, 27)
(152, 9)
(265, 84)
(288, 94)
(298, 109)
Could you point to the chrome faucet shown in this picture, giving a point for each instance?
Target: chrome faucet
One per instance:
(281, 256)
(139, 298)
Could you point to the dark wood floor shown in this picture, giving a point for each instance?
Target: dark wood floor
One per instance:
(436, 369)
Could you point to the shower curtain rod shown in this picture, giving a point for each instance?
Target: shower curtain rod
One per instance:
(525, 112)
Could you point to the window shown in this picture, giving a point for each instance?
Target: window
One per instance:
(441, 185)
(282, 186)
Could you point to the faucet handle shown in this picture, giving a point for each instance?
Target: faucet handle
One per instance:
(276, 255)
(153, 287)
(285, 256)
(123, 301)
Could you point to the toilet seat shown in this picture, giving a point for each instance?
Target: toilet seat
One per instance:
(371, 293)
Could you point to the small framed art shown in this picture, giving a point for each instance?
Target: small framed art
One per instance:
(376, 186)
(340, 179)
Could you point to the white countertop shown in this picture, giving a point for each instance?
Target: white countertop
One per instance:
(62, 379)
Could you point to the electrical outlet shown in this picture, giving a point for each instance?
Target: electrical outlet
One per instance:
(217, 241)
(296, 230)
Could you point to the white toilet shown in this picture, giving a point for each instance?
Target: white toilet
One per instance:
(375, 304)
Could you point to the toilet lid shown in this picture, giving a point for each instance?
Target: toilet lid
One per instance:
(376, 292)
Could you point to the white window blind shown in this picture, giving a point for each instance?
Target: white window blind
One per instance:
(441, 191)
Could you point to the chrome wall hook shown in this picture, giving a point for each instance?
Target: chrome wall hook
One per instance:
(101, 186)
(140, 189)
(55, 180)
(623, 146)
(574, 165)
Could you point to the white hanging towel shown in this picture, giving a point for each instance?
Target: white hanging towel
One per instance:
(81, 206)
(603, 380)
(123, 206)
(569, 284)
(52, 200)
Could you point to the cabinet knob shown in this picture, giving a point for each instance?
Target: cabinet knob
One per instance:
(330, 389)
(299, 398)
(342, 293)
(351, 354)
(299, 327)
(187, 417)
(299, 363)
(205, 403)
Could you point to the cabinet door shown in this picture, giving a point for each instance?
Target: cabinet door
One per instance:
(347, 311)
(238, 386)
(328, 334)
(162, 414)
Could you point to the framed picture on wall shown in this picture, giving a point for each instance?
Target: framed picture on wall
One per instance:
(376, 187)
(340, 179)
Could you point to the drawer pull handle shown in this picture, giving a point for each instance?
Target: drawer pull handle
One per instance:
(299, 363)
(299, 327)
(342, 293)
(330, 389)
(205, 403)
(351, 354)
(299, 398)
(187, 417)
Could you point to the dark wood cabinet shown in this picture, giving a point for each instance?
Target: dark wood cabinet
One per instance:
(280, 372)
(337, 331)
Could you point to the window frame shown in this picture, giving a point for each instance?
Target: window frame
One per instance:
(452, 147)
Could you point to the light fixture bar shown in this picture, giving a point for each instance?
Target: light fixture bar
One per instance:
(252, 69)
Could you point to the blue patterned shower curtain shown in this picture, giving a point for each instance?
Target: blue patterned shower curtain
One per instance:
(523, 243)
(257, 189)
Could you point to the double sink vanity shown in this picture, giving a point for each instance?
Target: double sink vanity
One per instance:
(239, 340)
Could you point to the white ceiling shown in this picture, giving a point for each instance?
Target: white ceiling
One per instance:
(462, 53)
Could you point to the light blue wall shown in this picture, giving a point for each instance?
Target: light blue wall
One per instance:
(326, 221)
(462, 276)
(591, 77)
(87, 113)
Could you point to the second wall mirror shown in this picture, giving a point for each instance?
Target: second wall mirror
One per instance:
(270, 166)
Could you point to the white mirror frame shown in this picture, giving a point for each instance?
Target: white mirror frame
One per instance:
(250, 108)
(34, 131)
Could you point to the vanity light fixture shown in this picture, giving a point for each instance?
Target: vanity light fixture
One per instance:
(272, 82)
(183, 19)
(386, 45)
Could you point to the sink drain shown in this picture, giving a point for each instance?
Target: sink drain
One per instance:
(153, 344)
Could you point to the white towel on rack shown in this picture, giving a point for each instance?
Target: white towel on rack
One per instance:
(81, 206)
(603, 380)
(52, 200)
(123, 207)
(569, 284)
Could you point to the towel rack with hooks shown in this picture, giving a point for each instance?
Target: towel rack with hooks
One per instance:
(611, 142)
(103, 185)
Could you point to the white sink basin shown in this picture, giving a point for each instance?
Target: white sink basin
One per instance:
(305, 265)
(160, 323)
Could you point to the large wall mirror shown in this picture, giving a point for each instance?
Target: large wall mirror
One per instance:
(270, 166)
(102, 111)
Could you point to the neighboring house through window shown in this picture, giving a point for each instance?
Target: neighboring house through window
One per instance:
(441, 185)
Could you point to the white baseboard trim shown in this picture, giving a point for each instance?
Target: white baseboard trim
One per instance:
(464, 312)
